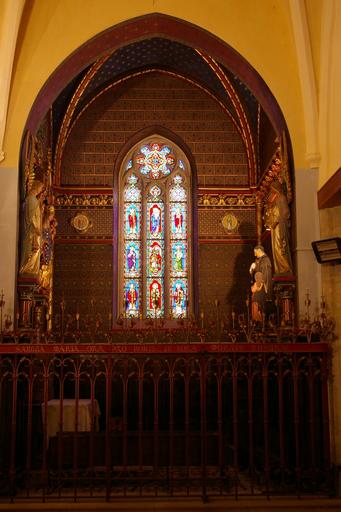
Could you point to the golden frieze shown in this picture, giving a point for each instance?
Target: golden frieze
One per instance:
(84, 200)
(226, 200)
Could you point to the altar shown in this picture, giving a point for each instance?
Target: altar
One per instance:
(88, 412)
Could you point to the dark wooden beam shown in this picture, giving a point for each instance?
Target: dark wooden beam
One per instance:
(330, 194)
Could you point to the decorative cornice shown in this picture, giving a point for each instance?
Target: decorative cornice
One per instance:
(226, 200)
(94, 200)
(84, 200)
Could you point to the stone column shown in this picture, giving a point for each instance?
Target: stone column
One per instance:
(8, 235)
(306, 216)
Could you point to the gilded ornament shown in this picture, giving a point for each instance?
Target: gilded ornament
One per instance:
(84, 200)
(81, 222)
(230, 223)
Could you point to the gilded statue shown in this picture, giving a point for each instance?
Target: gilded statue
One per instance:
(49, 225)
(277, 218)
(32, 231)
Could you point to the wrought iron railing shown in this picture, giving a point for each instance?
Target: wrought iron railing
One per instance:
(153, 409)
(165, 420)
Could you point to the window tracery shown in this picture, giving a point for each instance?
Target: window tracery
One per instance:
(155, 214)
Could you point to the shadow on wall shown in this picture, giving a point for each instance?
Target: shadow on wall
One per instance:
(241, 279)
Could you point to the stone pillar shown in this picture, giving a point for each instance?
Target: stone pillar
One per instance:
(306, 216)
(8, 235)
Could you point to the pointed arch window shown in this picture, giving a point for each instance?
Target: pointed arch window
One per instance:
(155, 236)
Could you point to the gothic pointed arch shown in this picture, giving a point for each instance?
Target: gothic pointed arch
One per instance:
(156, 239)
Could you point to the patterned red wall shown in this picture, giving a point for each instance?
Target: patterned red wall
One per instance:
(170, 102)
(83, 270)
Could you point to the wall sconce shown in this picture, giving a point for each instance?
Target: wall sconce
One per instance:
(327, 251)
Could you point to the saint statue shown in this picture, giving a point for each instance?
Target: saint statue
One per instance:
(49, 224)
(277, 216)
(258, 298)
(32, 231)
(263, 264)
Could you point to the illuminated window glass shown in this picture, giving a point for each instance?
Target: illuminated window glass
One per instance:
(154, 237)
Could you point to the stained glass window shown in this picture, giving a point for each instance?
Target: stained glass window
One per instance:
(155, 235)
(155, 160)
(132, 246)
(179, 249)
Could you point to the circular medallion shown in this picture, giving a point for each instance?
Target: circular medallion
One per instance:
(230, 223)
(81, 222)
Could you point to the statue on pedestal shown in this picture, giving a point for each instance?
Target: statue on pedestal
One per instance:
(277, 218)
(32, 231)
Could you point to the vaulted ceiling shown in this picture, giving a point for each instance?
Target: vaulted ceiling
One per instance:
(157, 53)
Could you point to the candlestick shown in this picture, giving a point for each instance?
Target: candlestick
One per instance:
(202, 319)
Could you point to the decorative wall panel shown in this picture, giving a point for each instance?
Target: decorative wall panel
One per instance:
(100, 223)
(92, 148)
(211, 223)
(83, 274)
(224, 280)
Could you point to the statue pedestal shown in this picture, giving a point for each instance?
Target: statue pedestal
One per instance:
(284, 295)
(32, 305)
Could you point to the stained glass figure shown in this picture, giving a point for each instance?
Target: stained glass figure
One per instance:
(155, 258)
(132, 298)
(132, 221)
(132, 258)
(155, 298)
(178, 220)
(179, 258)
(155, 160)
(179, 298)
(155, 220)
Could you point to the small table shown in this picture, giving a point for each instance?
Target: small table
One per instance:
(87, 411)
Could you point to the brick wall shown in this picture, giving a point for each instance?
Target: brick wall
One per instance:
(113, 118)
(224, 276)
(83, 270)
